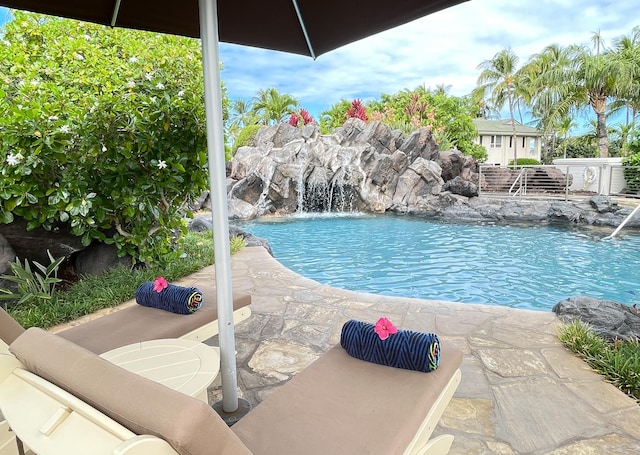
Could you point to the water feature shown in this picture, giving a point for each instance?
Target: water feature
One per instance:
(523, 266)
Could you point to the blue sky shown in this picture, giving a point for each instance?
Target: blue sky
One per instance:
(444, 48)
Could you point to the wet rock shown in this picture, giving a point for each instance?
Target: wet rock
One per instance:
(611, 320)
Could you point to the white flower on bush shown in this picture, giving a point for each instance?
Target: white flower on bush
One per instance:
(131, 84)
(14, 159)
(104, 148)
(133, 60)
(65, 128)
(87, 37)
(162, 164)
(160, 86)
(53, 118)
(148, 76)
(152, 99)
(181, 93)
(79, 57)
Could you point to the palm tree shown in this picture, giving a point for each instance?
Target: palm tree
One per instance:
(627, 52)
(272, 106)
(582, 78)
(499, 80)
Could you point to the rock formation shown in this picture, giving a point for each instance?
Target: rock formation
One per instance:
(370, 168)
(361, 166)
(609, 319)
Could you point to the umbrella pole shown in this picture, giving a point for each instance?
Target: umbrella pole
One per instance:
(217, 180)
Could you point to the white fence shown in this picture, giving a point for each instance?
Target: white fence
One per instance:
(560, 180)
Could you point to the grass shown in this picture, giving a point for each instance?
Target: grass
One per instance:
(618, 362)
(116, 286)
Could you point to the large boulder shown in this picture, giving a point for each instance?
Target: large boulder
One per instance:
(611, 320)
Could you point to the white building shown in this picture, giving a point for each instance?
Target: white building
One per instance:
(496, 136)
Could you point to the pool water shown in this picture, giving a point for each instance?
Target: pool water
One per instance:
(528, 266)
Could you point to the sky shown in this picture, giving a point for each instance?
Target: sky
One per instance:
(444, 48)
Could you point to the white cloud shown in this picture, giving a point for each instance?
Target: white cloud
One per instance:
(443, 48)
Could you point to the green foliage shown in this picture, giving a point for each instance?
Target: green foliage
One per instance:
(102, 129)
(618, 362)
(334, 117)
(631, 172)
(118, 285)
(525, 162)
(33, 287)
(246, 136)
(449, 117)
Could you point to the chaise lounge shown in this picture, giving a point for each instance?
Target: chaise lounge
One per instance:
(131, 324)
(60, 398)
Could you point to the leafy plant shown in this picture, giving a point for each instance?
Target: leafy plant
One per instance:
(631, 171)
(119, 284)
(525, 162)
(449, 117)
(618, 362)
(246, 136)
(103, 129)
(33, 287)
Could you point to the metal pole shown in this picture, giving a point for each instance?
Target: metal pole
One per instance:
(217, 181)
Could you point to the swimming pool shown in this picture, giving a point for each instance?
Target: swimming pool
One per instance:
(523, 266)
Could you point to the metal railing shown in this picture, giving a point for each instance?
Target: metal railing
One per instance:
(559, 181)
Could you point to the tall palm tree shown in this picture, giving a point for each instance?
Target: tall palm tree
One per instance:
(499, 80)
(627, 51)
(272, 106)
(581, 79)
(546, 105)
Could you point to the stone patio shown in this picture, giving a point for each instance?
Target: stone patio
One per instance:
(522, 392)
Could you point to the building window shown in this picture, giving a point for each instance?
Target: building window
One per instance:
(496, 141)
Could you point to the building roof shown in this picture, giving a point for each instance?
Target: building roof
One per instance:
(502, 127)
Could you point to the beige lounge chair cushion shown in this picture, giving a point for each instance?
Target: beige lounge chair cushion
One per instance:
(10, 329)
(343, 405)
(139, 323)
(189, 425)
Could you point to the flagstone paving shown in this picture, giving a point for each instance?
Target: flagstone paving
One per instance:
(522, 392)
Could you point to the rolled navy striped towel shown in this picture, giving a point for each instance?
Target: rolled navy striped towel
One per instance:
(404, 349)
(173, 298)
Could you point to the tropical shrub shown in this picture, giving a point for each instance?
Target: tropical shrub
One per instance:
(246, 136)
(33, 286)
(631, 171)
(525, 162)
(449, 117)
(357, 110)
(301, 118)
(103, 129)
(334, 117)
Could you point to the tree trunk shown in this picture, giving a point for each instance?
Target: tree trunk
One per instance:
(514, 138)
(599, 105)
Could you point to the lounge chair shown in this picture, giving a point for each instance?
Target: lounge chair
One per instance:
(60, 398)
(135, 323)
(131, 324)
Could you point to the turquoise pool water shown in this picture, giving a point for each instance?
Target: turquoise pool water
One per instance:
(524, 266)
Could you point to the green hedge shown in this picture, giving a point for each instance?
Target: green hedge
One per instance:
(631, 172)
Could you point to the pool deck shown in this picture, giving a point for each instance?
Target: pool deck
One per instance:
(522, 392)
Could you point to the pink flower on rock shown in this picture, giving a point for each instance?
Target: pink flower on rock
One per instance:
(160, 284)
(384, 328)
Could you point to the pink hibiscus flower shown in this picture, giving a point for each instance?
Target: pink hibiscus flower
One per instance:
(384, 328)
(160, 284)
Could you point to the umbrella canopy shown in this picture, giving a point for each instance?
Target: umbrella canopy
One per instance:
(307, 27)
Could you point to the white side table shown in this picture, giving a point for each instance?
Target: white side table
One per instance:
(184, 365)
